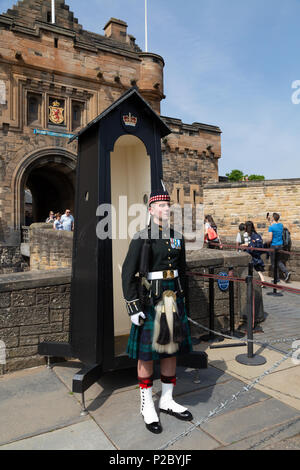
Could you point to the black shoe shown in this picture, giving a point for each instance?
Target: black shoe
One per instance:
(184, 416)
(287, 276)
(154, 427)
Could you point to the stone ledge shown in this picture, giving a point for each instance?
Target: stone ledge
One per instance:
(210, 258)
(249, 184)
(33, 279)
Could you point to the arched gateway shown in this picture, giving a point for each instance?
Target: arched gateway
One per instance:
(49, 174)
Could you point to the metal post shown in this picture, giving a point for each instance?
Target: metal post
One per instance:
(250, 359)
(231, 331)
(84, 411)
(250, 314)
(211, 304)
(231, 308)
(211, 289)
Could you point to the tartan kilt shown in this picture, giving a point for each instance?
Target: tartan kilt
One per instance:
(140, 339)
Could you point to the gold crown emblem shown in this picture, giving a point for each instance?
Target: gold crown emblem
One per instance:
(56, 104)
(130, 120)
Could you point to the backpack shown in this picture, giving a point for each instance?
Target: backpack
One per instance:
(211, 234)
(255, 242)
(286, 237)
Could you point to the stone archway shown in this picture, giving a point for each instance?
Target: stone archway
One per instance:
(49, 174)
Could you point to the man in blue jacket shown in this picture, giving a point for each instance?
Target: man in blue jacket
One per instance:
(276, 241)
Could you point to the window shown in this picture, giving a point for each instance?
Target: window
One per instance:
(34, 102)
(77, 114)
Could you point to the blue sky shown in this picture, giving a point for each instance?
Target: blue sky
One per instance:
(228, 62)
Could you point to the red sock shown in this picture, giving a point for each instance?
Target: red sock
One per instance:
(168, 380)
(145, 382)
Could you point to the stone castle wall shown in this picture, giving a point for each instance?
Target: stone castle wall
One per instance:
(233, 203)
(33, 308)
(49, 249)
(190, 159)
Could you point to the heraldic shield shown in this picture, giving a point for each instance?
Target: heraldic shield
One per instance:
(56, 113)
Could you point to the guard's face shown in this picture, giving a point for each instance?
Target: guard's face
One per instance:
(160, 211)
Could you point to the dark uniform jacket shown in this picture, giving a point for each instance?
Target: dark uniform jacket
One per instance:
(167, 253)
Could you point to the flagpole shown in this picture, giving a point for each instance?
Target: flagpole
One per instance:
(146, 28)
(53, 11)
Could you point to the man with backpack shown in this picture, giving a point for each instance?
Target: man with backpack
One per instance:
(279, 238)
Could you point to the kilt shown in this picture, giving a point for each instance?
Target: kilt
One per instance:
(140, 339)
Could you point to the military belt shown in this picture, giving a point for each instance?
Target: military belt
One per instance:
(167, 274)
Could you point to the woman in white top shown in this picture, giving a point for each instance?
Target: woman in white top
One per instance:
(211, 236)
(242, 237)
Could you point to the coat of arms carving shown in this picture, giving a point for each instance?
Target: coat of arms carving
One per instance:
(56, 112)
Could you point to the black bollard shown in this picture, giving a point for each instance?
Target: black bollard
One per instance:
(250, 359)
(232, 331)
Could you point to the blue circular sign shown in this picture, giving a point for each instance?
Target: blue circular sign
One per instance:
(223, 285)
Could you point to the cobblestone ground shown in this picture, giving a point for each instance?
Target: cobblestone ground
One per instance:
(282, 319)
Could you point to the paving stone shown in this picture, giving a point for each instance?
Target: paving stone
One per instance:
(270, 439)
(34, 402)
(292, 443)
(196, 440)
(119, 417)
(82, 436)
(242, 423)
(186, 378)
(200, 403)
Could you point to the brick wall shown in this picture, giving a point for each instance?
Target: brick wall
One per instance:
(233, 203)
(11, 260)
(200, 262)
(190, 157)
(34, 307)
(49, 249)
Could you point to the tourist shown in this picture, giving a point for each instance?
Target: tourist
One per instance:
(255, 241)
(51, 218)
(276, 242)
(242, 237)
(57, 225)
(68, 221)
(211, 237)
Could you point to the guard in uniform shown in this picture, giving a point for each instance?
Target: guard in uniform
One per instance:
(155, 302)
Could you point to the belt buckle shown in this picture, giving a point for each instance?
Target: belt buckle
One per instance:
(169, 274)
